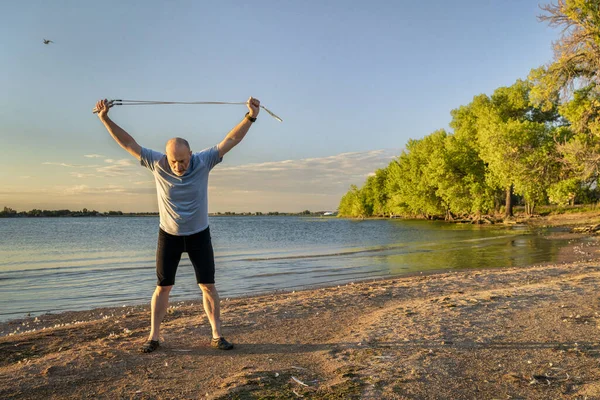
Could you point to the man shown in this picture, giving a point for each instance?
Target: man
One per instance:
(182, 184)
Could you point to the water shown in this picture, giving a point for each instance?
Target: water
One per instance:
(59, 264)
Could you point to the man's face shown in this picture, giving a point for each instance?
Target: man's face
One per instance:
(178, 157)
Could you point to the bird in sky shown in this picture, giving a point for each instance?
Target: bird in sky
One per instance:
(48, 41)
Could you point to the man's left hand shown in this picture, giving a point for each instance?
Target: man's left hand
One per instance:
(253, 107)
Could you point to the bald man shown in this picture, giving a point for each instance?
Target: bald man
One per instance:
(181, 185)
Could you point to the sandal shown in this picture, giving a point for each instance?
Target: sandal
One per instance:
(150, 346)
(221, 344)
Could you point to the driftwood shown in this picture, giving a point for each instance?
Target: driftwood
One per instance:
(586, 229)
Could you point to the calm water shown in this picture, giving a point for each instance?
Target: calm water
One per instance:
(58, 264)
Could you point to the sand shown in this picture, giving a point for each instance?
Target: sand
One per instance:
(527, 333)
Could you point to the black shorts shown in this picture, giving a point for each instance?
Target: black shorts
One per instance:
(199, 249)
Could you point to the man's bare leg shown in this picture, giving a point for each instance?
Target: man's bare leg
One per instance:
(160, 303)
(211, 301)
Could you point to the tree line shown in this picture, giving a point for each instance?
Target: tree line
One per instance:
(8, 212)
(532, 143)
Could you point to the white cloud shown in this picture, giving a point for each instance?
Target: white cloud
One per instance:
(293, 185)
(94, 156)
(80, 175)
(333, 174)
(66, 165)
(123, 167)
(85, 189)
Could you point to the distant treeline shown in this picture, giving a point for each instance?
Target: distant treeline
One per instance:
(274, 213)
(10, 213)
(536, 142)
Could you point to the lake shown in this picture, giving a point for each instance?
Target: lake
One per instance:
(59, 264)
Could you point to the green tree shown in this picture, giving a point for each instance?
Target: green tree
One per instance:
(461, 171)
(415, 187)
(352, 204)
(8, 212)
(572, 80)
(381, 194)
(395, 203)
(515, 141)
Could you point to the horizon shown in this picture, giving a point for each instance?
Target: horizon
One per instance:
(104, 212)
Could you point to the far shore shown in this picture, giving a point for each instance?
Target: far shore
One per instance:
(571, 216)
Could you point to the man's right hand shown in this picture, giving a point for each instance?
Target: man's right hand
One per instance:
(123, 138)
(102, 108)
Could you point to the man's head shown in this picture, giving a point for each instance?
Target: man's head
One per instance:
(178, 155)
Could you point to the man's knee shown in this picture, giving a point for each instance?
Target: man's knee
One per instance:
(208, 287)
(164, 289)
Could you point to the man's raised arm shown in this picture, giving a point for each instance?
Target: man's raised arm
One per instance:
(237, 134)
(121, 137)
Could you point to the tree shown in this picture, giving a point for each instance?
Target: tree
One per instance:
(413, 188)
(576, 62)
(378, 194)
(463, 185)
(573, 81)
(373, 194)
(8, 212)
(395, 203)
(352, 204)
(516, 143)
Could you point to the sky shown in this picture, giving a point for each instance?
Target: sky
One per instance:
(352, 80)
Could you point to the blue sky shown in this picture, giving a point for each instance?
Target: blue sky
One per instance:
(353, 81)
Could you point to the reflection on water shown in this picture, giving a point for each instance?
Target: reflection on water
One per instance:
(58, 264)
(501, 252)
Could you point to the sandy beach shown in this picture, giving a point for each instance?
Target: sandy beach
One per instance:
(527, 333)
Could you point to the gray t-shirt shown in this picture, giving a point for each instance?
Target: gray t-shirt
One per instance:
(182, 200)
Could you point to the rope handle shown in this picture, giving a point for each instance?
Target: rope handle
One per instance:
(119, 102)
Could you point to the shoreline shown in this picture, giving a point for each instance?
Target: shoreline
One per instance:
(567, 255)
